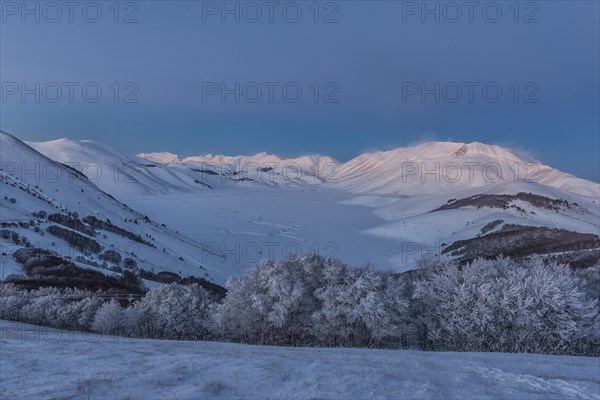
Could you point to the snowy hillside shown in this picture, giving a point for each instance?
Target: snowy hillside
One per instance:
(78, 220)
(114, 171)
(39, 362)
(377, 208)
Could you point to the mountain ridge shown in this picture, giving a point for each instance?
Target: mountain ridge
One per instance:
(396, 168)
(376, 208)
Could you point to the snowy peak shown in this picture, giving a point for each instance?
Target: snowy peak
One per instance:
(161, 158)
(31, 169)
(84, 151)
(448, 167)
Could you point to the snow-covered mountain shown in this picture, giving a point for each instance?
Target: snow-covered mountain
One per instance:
(448, 167)
(388, 208)
(304, 162)
(428, 168)
(125, 176)
(438, 193)
(50, 205)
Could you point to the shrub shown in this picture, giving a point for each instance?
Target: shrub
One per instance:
(111, 256)
(129, 263)
(75, 239)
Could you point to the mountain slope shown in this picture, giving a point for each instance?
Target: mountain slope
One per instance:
(114, 171)
(78, 220)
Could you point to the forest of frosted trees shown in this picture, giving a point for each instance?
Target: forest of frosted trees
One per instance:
(488, 305)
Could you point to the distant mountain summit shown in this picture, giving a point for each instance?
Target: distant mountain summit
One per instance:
(446, 167)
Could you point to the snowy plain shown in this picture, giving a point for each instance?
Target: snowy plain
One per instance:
(246, 225)
(39, 362)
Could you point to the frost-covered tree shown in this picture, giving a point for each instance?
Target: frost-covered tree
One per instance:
(65, 309)
(12, 301)
(273, 303)
(333, 322)
(257, 308)
(44, 308)
(174, 312)
(590, 281)
(542, 308)
(79, 313)
(503, 305)
(360, 307)
(487, 305)
(112, 319)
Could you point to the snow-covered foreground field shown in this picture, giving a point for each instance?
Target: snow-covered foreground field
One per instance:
(41, 363)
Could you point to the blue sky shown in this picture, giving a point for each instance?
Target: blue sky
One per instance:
(373, 66)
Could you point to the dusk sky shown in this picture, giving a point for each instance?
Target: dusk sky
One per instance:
(361, 67)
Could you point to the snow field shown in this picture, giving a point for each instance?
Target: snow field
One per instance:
(39, 362)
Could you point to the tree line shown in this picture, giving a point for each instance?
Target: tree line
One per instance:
(498, 305)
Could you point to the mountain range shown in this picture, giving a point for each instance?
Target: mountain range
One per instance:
(213, 216)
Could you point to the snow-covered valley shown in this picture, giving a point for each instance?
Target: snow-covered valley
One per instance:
(244, 225)
(39, 362)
